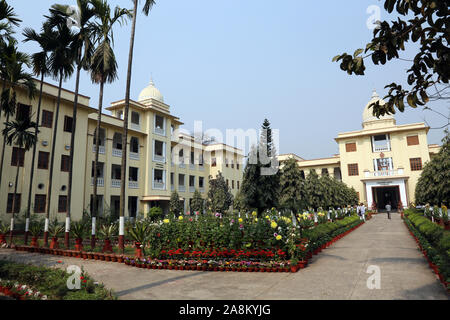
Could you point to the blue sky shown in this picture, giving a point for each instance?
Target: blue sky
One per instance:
(233, 63)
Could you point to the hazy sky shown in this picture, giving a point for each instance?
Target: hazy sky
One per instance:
(233, 63)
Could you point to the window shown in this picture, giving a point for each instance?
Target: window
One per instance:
(17, 157)
(134, 145)
(237, 166)
(62, 204)
(43, 160)
(353, 169)
(412, 140)
(23, 112)
(350, 147)
(65, 163)
(101, 140)
(39, 203)
(416, 164)
(191, 181)
(119, 114)
(237, 185)
(213, 162)
(159, 124)
(232, 184)
(159, 151)
(117, 141)
(172, 178)
(68, 122)
(201, 181)
(232, 164)
(116, 172)
(381, 143)
(47, 119)
(383, 164)
(228, 183)
(16, 203)
(133, 174)
(134, 117)
(325, 172)
(181, 179)
(100, 166)
(226, 162)
(192, 160)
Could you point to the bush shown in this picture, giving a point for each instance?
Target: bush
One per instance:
(155, 213)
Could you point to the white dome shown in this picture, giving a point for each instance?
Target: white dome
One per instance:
(151, 92)
(368, 112)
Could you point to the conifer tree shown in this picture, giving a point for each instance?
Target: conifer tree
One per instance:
(219, 194)
(197, 202)
(292, 193)
(175, 205)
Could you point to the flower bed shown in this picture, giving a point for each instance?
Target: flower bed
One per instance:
(27, 282)
(433, 241)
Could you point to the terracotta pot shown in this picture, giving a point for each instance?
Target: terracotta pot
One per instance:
(96, 257)
(138, 253)
(294, 268)
(54, 243)
(107, 246)
(120, 259)
(274, 270)
(199, 268)
(160, 267)
(113, 258)
(101, 256)
(79, 244)
(2, 239)
(34, 242)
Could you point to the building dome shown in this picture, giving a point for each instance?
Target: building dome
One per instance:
(368, 112)
(151, 92)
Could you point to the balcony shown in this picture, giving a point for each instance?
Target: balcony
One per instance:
(135, 126)
(133, 184)
(159, 185)
(159, 131)
(117, 153)
(100, 182)
(181, 188)
(181, 164)
(381, 148)
(384, 173)
(191, 189)
(101, 149)
(191, 166)
(201, 167)
(159, 158)
(134, 156)
(115, 183)
(202, 190)
(172, 187)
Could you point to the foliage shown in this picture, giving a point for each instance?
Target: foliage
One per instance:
(56, 229)
(139, 232)
(52, 282)
(219, 194)
(175, 205)
(155, 213)
(108, 231)
(433, 185)
(4, 228)
(36, 229)
(79, 229)
(292, 191)
(197, 202)
(427, 26)
(239, 203)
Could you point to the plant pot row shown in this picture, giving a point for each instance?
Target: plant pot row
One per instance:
(73, 253)
(433, 267)
(338, 237)
(7, 291)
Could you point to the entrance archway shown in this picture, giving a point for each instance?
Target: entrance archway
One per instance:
(385, 195)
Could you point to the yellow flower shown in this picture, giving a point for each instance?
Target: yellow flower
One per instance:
(248, 245)
(166, 221)
(273, 225)
(288, 220)
(254, 213)
(267, 217)
(240, 220)
(278, 237)
(180, 218)
(256, 219)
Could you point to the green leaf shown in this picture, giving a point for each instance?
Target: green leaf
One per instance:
(410, 100)
(357, 52)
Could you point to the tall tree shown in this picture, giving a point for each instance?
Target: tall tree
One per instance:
(61, 62)
(292, 194)
(197, 202)
(220, 197)
(21, 133)
(40, 62)
(175, 205)
(433, 186)
(8, 19)
(146, 9)
(424, 22)
(103, 68)
(313, 189)
(82, 48)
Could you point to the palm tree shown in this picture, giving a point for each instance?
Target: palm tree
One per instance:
(40, 62)
(82, 47)
(20, 132)
(9, 17)
(103, 69)
(146, 9)
(61, 66)
(12, 62)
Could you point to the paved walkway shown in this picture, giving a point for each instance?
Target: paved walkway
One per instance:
(338, 272)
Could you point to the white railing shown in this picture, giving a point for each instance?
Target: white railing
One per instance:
(381, 148)
(159, 185)
(116, 153)
(100, 182)
(181, 188)
(201, 167)
(133, 184)
(201, 189)
(191, 189)
(115, 183)
(383, 173)
(191, 166)
(134, 155)
(135, 126)
(181, 165)
(160, 131)
(159, 158)
(101, 149)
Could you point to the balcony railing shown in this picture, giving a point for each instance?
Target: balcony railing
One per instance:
(201, 167)
(181, 188)
(116, 152)
(133, 184)
(191, 189)
(115, 183)
(181, 164)
(134, 156)
(381, 148)
(172, 187)
(159, 158)
(191, 166)
(201, 189)
(160, 131)
(101, 149)
(383, 173)
(135, 126)
(159, 185)
(100, 182)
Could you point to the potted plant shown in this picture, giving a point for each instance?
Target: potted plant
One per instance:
(139, 234)
(54, 231)
(78, 230)
(4, 229)
(293, 264)
(107, 232)
(35, 231)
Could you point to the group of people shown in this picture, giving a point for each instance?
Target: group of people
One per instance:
(361, 210)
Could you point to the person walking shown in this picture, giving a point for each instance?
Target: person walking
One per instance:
(388, 210)
(362, 210)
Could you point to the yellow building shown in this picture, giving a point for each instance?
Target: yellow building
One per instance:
(160, 158)
(382, 161)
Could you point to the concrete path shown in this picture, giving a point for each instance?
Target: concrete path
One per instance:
(338, 272)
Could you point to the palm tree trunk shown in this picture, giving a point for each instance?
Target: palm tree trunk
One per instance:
(30, 187)
(97, 139)
(52, 161)
(11, 231)
(3, 150)
(72, 149)
(125, 133)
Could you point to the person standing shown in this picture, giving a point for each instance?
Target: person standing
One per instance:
(362, 210)
(388, 210)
